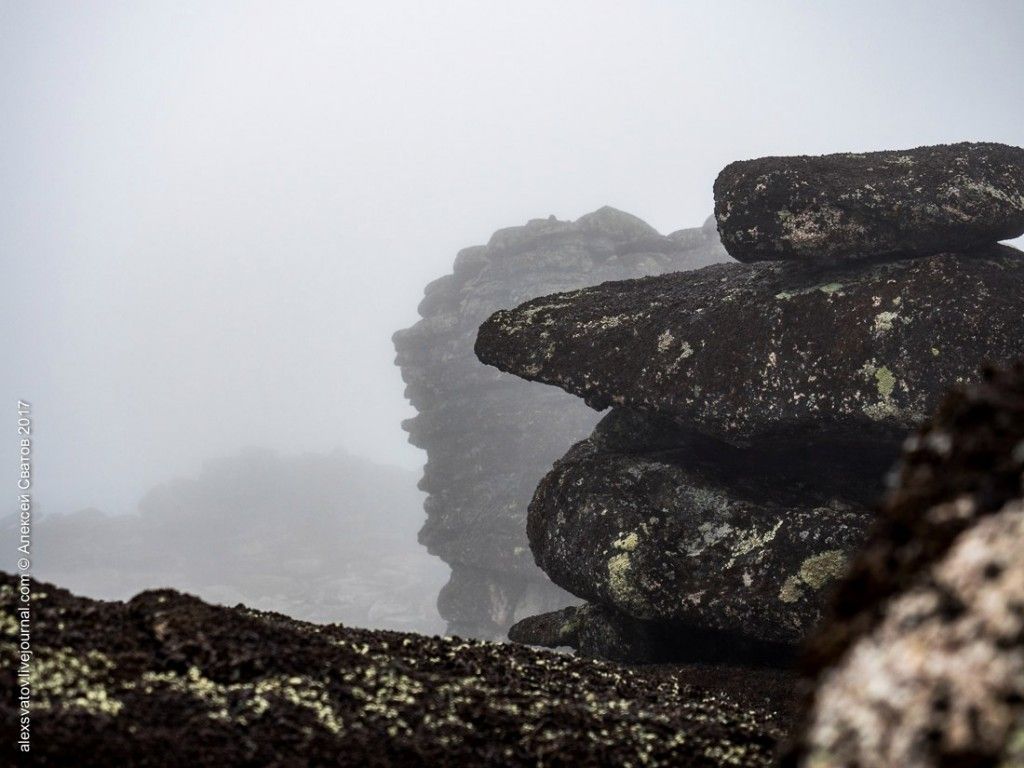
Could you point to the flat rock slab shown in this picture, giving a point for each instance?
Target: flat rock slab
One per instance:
(741, 351)
(877, 204)
(166, 679)
(657, 540)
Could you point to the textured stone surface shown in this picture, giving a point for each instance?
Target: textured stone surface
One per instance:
(683, 534)
(490, 437)
(601, 632)
(168, 680)
(941, 676)
(747, 351)
(876, 204)
(921, 660)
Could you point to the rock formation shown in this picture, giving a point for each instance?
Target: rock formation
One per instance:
(878, 204)
(756, 406)
(166, 679)
(921, 661)
(489, 436)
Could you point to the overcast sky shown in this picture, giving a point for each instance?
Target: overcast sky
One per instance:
(213, 215)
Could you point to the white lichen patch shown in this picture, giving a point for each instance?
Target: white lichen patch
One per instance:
(627, 543)
(883, 322)
(814, 573)
(68, 679)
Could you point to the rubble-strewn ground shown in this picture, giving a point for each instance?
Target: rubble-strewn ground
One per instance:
(165, 679)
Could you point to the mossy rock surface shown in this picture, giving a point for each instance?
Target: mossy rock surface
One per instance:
(168, 680)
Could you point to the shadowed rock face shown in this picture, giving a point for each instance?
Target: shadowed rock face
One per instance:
(922, 659)
(489, 436)
(878, 204)
(166, 679)
(741, 352)
(601, 632)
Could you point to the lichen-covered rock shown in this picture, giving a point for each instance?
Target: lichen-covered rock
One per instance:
(682, 535)
(877, 204)
(940, 679)
(748, 351)
(168, 680)
(921, 660)
(490, 437)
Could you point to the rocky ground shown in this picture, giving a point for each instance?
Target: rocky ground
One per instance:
(490, 437)
(167, 680)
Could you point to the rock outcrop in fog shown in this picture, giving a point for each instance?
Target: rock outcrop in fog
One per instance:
(321, 537)
(756, 406)
(490, 437)
(166, 679)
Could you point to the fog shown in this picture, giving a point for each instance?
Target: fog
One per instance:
(214, 215)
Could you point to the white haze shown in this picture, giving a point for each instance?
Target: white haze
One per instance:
(214, 215)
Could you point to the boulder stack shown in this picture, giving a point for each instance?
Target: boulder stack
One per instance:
(756, 407)
(489, 436)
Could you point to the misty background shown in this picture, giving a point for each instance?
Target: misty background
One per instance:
(213, 216)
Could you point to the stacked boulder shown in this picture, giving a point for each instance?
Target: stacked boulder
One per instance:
(756, 406)
(490, 436)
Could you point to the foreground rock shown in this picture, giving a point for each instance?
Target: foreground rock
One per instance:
(922, 661)
(168, 680)
(743, 352)
(878, 204)
(490, 437)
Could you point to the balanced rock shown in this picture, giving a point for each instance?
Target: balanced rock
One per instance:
(686, 535)
(748, 351)
(490, 437)
(166, 679)
(878, 204)
(921, 660)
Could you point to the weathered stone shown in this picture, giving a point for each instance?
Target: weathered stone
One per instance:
(593, 631)
(490, 437)
(749, 351)
(942, 673)
(601, 632)
(878, 204)
(684, 535)
(166, 679)
(921, 660)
